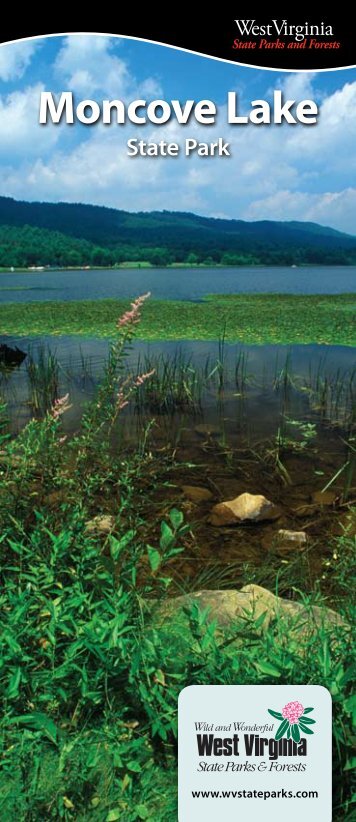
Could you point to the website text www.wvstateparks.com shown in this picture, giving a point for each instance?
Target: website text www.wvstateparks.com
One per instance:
(281, 794)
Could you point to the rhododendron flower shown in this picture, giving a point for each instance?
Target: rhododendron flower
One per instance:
(294, 720)
(292, 711)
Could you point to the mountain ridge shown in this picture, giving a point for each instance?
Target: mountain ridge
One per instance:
(161, 237)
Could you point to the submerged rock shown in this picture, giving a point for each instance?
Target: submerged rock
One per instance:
(324, 497)
(10, 357)
(102, 524)
(244, 508)
(205, 429)
(196, 493)
(285, 542)
(297, 537)
(304, 511)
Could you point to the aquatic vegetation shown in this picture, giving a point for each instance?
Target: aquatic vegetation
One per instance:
(175, 384)
(43, 379)
(249, 318)
(305, 434)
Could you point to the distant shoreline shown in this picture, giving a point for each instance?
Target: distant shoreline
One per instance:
(148, 267)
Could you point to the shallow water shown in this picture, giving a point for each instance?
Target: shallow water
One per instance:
(174, 284)
(246, 431)
(250, 382)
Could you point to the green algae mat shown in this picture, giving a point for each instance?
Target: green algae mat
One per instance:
(252, 319)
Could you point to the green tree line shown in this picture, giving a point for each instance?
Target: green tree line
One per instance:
(29, 245)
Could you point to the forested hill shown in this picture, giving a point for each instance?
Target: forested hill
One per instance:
(77, 234)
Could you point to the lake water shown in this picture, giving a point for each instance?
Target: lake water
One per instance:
(174, 284)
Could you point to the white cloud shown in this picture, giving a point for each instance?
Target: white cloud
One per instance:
(97, 170)
(88, 65)
(332, 140)
(298, 86)
(14, 59)
(20, 133)
(335, 208)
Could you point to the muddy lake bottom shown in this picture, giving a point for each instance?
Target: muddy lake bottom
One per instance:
(271, 420)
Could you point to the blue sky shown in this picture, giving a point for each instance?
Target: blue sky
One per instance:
(285, 173)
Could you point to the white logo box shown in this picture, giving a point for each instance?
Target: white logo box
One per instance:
(255, 752)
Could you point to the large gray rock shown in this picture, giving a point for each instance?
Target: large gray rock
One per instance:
(229, 608)
(234, 615)
(243, 509)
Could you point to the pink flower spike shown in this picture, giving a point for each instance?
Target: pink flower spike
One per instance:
(61, 400)
(133, 317)
(140, 300)
(143, 377)
(121, 401)
(60, 406)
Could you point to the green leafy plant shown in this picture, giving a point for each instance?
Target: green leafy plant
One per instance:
(306, 432)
